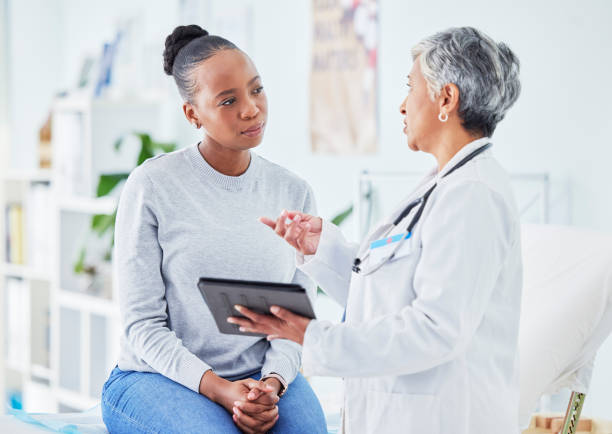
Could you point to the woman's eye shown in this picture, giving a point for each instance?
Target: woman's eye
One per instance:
(258, 90)
(229, 101)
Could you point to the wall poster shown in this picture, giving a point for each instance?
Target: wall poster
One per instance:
(343, 78)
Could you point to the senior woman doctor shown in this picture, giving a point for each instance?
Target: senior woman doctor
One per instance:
(433, 294)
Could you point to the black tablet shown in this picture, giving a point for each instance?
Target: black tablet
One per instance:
(221, 295)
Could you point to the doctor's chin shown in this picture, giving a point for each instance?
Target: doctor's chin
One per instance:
(305, 217)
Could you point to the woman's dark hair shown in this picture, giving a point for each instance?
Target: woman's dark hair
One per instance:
(186, 47)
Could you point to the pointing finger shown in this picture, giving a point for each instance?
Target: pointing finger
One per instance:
(268, 222)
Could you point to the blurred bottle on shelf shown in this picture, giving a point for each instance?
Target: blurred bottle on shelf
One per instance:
(44, 144)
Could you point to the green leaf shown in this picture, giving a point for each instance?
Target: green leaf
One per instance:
(108, 182)
(145, 139)
(146, 150)
(79, 265)
(337, 220)
(164, 147)
(100, 223)
(144, 155)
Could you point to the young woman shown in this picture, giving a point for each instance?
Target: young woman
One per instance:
(193, 213)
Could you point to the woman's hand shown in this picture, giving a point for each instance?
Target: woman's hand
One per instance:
(252, 403)
(259, 413)
(282, 324)
(303, 232)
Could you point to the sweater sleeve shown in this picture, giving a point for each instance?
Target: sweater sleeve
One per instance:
(285, 357)
(141, 289)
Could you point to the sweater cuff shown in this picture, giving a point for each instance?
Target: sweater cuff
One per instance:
(280, 366)
(190, 372)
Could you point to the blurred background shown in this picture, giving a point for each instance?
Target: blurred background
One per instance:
(78, 79)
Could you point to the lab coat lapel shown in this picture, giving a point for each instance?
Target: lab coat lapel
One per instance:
(382, 227)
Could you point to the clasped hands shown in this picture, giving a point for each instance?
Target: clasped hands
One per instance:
(252, 403)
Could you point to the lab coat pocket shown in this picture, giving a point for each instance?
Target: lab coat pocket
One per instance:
(402, 413)
(405, 249)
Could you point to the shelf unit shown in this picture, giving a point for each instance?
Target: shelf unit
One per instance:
(60, 335)
(26, 296)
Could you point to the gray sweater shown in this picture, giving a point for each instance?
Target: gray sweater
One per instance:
(178, 220)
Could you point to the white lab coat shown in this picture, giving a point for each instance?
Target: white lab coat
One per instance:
(430, 340)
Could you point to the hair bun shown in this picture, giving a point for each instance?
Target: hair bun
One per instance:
(181, 36)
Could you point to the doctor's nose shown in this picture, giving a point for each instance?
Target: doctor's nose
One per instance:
(402, 107)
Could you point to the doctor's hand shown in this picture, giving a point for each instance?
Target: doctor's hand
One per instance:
(303, 231)
(282, 324)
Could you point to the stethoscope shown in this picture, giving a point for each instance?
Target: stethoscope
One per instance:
(422, 201)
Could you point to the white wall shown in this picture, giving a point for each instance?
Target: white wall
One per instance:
(559, 125)
(34, 70)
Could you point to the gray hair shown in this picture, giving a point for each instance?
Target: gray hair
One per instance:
(486, 73)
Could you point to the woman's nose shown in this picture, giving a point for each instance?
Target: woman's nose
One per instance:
(250, 110)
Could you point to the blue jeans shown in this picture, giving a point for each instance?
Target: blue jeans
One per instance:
(144, 402)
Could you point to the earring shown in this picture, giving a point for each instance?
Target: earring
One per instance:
(442, 117)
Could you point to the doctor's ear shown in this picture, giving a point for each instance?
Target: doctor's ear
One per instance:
(191, 114)
(449, 98)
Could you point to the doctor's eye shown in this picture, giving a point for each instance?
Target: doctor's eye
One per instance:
(258, 90)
